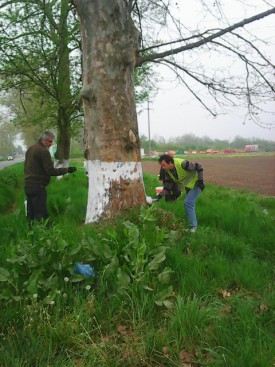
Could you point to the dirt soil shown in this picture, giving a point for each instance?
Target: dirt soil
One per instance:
(249, 172)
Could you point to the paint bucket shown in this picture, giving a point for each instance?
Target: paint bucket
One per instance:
(158, 189)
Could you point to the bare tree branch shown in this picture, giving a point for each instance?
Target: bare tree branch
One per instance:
(254, 48)
(247, 62)
(161, 55)
(189, 88)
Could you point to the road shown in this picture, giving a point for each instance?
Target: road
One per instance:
(4, 164)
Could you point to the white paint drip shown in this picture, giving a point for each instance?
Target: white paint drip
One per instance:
(101, 175)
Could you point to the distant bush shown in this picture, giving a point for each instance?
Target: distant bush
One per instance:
(191, 142)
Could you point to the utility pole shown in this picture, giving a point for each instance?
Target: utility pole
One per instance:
(149, 133)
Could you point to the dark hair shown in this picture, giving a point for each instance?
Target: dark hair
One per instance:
(167, 158)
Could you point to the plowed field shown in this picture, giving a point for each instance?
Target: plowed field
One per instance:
(255, 173)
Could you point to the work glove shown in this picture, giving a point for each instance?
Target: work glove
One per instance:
(154, 200)
(151, 200)
(71, 169)
(157, 198)
(200, 184)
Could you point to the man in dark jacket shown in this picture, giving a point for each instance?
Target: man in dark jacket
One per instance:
(38, 170)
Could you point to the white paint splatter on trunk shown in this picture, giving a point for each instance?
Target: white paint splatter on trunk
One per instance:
(102, 178)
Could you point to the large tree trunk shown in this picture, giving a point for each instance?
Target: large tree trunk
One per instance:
(112, 149)
(62, 154)
(63, 89)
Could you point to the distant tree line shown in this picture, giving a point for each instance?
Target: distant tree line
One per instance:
(190, 142)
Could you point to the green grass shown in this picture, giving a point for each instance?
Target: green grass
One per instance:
(161, 296)
(10, 183)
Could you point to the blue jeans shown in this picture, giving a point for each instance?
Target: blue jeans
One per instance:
(189, 206)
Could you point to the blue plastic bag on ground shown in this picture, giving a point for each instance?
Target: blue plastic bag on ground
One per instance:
(84, 269)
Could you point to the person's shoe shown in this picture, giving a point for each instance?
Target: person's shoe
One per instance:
(193, 229)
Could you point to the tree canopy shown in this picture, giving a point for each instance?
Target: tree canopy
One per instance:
(38, 63)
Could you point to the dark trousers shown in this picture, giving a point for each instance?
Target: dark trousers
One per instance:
(36, 203)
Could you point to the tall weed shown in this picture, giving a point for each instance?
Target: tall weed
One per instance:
(10, 182)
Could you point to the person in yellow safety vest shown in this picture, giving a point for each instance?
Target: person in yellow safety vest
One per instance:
(175, 192)
(186, 175)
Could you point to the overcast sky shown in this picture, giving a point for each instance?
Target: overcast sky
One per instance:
(175, 112)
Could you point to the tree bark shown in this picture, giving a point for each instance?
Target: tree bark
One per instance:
(63, 138)
(112, 148)
(63, 89)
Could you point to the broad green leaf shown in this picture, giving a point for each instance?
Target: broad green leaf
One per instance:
(62, 244)
(147, 288)
(123, 277)
(168, 304)
(17, 259)
(164, 276)
(77, 278)
(74, 249)
(17, 298)
(172, 237)
(154, 264)
(33, 281)
(107, 252)
(110, 269)
(164, 293)
(4, 275)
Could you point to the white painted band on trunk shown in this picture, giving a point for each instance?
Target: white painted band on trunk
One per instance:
(101, 175)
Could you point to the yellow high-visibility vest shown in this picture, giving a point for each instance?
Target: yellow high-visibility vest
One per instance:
(185, 178)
